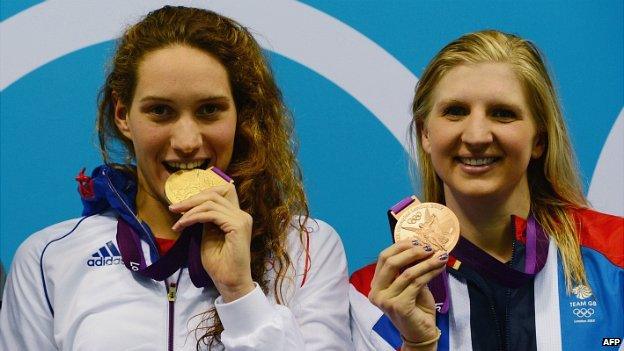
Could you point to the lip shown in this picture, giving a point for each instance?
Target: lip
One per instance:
(477, 170)
(206, 163)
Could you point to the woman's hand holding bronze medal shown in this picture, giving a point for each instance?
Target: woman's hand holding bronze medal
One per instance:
(204, 196)
(424, 234)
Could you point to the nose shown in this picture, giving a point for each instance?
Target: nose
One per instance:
(477, 132)
(186, 137)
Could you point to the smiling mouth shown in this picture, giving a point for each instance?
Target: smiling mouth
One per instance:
(173, 166)
(477, 161)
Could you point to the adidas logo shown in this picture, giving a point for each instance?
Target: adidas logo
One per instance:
(107, 255)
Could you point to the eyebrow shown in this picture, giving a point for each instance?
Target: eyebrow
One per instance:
(450, 101)
(213, 98)
(490, 104)
(506, 105)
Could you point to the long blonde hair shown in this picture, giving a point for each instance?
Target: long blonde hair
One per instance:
(554, 181)
(264, 167)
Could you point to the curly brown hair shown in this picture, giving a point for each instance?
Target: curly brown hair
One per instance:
(263, 166)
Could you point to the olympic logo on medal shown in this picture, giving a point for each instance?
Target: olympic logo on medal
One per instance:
(583, 312)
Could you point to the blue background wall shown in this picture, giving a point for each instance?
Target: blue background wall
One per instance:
(354, 167)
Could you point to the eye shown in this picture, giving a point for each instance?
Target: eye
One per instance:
(454, 111)
(504, 114)
(208, 109)
(160, 110)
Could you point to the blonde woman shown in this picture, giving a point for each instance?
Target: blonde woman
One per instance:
(534, 268)
(235, 267)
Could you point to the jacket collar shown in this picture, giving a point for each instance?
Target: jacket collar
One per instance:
(110, 188)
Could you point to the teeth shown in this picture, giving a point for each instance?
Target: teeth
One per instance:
(478, 161)
(184, 165)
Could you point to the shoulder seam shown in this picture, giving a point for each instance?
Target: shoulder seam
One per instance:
(45, 288)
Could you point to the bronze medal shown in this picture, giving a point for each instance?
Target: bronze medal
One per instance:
(430, 223)
(185, 183)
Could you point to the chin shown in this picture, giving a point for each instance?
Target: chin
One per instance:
(475, 192)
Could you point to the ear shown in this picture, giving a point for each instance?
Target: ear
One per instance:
(121, 117)
(538, 146)
(424, 137)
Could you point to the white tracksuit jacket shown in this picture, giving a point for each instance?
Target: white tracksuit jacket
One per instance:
(68, 289)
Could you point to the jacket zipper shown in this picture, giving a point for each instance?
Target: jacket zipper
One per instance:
(503, 344)
(171, 297)
(507, 319)
(498, 331)
(508, 299)
(172, 294)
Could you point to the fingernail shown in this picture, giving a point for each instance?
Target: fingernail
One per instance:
(415, 242)
(443, 257)
(427, 248)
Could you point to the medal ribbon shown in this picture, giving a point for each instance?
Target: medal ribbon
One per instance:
(186, 250)
(535, 258)
(536, 252)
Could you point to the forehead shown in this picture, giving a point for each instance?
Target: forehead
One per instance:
(181, 69)
(489, 81)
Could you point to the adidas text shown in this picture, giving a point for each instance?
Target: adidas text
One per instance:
(103, 261)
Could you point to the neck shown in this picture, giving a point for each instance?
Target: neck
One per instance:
(156, 214)
(486, 222)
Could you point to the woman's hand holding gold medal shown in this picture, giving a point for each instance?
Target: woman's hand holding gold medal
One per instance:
(226, 240)
(403, 294)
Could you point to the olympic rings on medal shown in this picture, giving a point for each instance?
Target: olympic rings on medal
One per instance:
(583, 312)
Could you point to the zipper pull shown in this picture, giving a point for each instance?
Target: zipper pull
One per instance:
(171, 294)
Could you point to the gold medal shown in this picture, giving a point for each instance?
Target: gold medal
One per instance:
(430, 223)
(185, 183)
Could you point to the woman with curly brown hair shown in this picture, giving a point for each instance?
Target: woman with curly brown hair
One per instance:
(237, 266)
